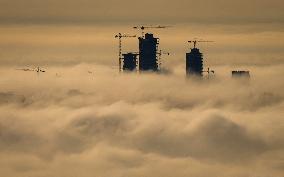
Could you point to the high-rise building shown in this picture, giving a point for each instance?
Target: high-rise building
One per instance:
(148, 46)
(129, 61)
(194, 62)
(242, 74)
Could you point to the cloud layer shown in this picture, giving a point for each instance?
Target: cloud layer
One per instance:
(103, 124)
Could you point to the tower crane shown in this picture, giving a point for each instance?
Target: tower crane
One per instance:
(160, 53)
(37, 69)
(196, 41)
(120, 36)
(208, 71)
(142, 28)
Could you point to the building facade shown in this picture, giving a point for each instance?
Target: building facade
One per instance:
(148, 47)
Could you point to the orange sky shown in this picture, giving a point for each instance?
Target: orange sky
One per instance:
(134, 11)
(70, 32)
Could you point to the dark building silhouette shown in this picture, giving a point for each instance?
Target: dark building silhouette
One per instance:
(194, 62)
(129, 61)
(148, 46)
(241, 74)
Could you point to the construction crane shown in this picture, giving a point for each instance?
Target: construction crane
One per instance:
(196, 41)
(142, 28)
(120, 36)
(208, 71)
(37, 69)
(160, 53)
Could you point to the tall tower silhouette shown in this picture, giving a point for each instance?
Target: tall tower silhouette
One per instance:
(148, 47)
(194, 62)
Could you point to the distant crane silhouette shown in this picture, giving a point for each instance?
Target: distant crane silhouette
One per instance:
(208, 71)
(197, 41)
(142, 28)
(25, 69)
(37, 69)
(120, 36)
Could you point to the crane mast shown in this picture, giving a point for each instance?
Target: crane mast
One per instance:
(160, 53)
(120, 36)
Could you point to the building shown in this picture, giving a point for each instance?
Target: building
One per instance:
(129, 61)
(194, 62)
(241, 74)
(148, 46)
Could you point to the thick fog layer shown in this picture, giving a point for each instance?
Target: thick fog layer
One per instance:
(87, 120)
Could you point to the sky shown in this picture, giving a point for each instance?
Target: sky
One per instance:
(49, 32)
(126, 11)
(81, 118)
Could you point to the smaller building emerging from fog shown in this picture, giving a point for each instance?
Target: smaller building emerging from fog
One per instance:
(129, 62)
(241, 74)
(194, 62)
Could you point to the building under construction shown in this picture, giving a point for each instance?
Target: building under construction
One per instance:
(148, 47)
(149, 56)
(194, 62)
(240, 74)
(129, 62)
